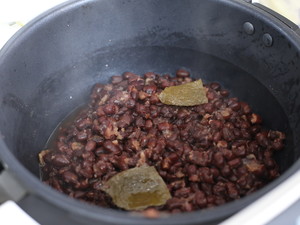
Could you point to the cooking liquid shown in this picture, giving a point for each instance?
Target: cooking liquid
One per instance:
(51, 143)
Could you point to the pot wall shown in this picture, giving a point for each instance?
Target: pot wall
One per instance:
(48, 67)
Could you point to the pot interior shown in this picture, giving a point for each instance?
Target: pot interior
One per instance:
(65, 90)
(48, 69)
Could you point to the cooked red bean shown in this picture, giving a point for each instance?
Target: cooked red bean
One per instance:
(60, 160)
(182, 73)
(70, 177)
(90, 145)
(111, 147)
(215, 86)
(116, 79)
(82, 136)
(110, 109)
(218, 159)
(224, 93)
(207, 155)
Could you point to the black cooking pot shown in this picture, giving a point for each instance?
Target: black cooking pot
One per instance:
(47, 69)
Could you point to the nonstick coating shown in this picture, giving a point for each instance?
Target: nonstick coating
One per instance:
(48, 68)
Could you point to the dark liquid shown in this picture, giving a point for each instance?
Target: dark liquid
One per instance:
(66, 122)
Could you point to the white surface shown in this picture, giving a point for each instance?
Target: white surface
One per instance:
(20, 10)
(288, 8)
(270, 205)
(16, 13)
(12, 214)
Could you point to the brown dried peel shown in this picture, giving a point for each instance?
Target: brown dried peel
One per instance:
(188, 94)
(137, 188)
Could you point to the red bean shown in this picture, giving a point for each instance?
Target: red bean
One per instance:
(226, 113)
(232, 190)
(81, 136)
(182, 73)
(150, 89)
(70, 177)
(199, 158)
(206, 175)
(216, 124)
(224, 93)
(101, 168)
(154, 99)
(143, 95)
(116, 79)
(234, 105)
(90, 146)
(148, 124)
(140, 122)
(110, 109)
(60, 160)
(164, 126)
(227, 134)
(219, 189)
(200, 199)
(226, 171)
(208, 107)
(215, 86)
(183, 192)
(140, 109)
(218, 159)
(130, 103)
(111, 147)
(245, 108)
(277, 144)
(150, 75)
(234, 163)
(129, 75)
(255, 118)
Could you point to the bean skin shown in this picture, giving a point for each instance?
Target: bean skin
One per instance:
(215, 86)
(111, 147)
(182, 73)
(81, 136)
(70, 177)
(110, 109)
(150, 89)
(218, 159)
(60, 160)
(90, 146)
(234, 163)
(224, 93)
(116, 79)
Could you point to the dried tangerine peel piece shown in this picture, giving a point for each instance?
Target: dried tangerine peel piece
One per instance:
(41, 155)
(137, 188)
(188, 94)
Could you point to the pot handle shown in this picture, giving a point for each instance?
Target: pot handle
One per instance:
(17, 203)
(13, 214)
(10, 188)
(276, 15)
(11, 191)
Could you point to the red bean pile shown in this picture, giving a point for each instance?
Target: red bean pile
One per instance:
(207, 155)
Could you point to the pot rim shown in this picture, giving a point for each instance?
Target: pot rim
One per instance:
(75, 207)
